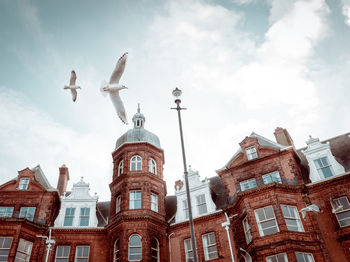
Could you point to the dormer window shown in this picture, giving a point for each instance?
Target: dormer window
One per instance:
(323, 167)
(322, 163)
(23, 184)
(251, 153)
(152, 166)
(121, 168)
(135, 163)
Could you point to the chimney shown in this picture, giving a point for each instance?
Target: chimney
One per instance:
(283, 137)
(63, 179)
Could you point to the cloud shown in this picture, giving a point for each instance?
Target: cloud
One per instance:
(30, 137)
(346, 11)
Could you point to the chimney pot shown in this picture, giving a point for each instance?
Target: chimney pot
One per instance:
(63, 179)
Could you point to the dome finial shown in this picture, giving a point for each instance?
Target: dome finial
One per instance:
(138, 118)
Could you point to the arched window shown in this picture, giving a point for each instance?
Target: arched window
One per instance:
(135, 163)
(121, 167)
(155, 250)
(116, 254)
(118, 202)
(152, 166)
(135, 248)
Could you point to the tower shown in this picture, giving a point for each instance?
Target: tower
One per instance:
(137, 224)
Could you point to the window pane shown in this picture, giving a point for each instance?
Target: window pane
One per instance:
(6, 211)
(344, 202)
(24, 250)
(5, 245)
(261, 214)
(327, 172)
(277, 258)
(269, 212)
(304, 257)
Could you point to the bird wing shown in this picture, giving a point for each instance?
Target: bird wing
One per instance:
(74, 94)
(73, 77)
(119, 106)
(119, 69)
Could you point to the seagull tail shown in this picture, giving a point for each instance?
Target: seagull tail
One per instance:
(103, 85)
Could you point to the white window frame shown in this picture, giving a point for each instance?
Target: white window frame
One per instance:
(6, 211)
(320, 169)
(188, 249)
(247, 230)
(68, 216)
(118, 203)
(116, 253)
(135, 247)
(249, 182)
(154, 202)
(261, 229)
(27, 213)
(84, 216)
(83, 258)
(152, 166)
(60, 254)
(23, 183)
(136, 163)
(307, 257)
(155, 249)
(133, 200)
(207, 246)
(287, 217)
(201, 204)
(185, 208)
(25, 252)
(276, 258)
(121, 167)
(270, 178)
(5, 247)
(251, 152)
(343, 210)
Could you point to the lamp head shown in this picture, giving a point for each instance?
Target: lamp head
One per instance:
(177, 93)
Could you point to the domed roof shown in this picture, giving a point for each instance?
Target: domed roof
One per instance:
(138, 134)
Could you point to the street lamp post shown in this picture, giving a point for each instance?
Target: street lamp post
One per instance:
(177, 93)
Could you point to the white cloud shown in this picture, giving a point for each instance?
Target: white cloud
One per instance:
(228, 79)
(346, 11)
(30, 137)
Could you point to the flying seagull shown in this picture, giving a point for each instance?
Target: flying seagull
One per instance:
(311, 208)
(113, 88)
(73, 88)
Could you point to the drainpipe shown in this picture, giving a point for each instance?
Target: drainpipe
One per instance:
(170, 245)
(49, 242)
(226, 226)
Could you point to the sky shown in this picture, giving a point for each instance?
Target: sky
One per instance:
(243, 66)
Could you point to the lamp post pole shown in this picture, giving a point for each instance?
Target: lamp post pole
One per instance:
(177, 93)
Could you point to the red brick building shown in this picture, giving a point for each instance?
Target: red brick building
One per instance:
(271, 201)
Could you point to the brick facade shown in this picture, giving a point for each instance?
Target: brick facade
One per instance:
(318, 235)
